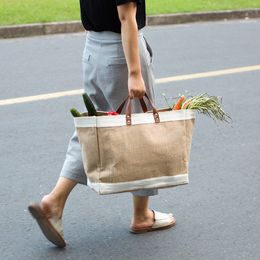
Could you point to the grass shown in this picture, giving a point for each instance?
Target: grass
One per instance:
(179, 6)
(33, 11)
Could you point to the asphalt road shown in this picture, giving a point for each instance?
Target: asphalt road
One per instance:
(217, 213)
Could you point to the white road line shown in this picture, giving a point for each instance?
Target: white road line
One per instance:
(208, 74)
(11, 101)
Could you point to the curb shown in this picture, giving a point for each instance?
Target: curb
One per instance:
(203, 16)
(35, 29)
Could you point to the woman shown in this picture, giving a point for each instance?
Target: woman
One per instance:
(116, 63)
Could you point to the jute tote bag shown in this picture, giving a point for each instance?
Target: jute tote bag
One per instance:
(128, 152)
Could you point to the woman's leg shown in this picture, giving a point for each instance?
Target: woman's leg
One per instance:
(142, 215)
(71, 174)
(53, 203)
(49, 211)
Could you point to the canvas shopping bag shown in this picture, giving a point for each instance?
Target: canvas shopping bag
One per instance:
(129, 151)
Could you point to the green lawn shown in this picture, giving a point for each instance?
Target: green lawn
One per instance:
(32, 11)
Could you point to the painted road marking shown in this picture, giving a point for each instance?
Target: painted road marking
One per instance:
(12, 101)
(208, 74)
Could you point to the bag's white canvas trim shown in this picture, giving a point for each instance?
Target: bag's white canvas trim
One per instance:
(158, 182)
(137, 118)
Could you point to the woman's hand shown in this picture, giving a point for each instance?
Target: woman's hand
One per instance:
(136, 86)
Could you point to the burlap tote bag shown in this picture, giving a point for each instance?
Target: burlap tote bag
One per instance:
(128, 152)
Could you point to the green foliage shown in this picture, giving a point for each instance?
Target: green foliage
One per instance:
(208, 105)
(179, 6)
(33, 11)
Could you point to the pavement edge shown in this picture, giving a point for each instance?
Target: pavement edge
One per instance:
(25, 30)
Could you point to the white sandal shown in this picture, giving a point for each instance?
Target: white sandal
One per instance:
(51, 227)
(161, 221)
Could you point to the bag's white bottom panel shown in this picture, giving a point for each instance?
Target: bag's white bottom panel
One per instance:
(158, 182)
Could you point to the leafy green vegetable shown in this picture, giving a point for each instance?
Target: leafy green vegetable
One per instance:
(208, 105)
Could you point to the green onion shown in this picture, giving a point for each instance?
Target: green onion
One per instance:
(210, 106)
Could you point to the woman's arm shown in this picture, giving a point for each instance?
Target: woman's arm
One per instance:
(129, 34)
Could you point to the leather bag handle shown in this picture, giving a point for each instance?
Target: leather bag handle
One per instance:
(129, 109)
(143, 105)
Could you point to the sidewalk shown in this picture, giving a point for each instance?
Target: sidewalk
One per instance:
(26, 30)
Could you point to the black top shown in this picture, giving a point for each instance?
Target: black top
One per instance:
(102, 15)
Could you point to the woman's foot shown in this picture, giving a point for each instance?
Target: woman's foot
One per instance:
(48, 215)
(151, 220)
(143, 220)
(51, 206)
(48, 212)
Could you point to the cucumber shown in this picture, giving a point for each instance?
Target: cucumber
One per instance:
(75, 112)
(89, 105)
